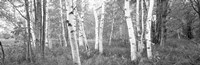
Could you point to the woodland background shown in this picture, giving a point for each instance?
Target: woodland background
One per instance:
(38, 32)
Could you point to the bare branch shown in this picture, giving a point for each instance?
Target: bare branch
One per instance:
(17, 10)
(192, 4)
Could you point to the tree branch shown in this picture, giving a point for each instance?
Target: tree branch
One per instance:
(17, 10)
(192, 4)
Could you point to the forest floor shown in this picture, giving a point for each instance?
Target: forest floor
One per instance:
(174, 52)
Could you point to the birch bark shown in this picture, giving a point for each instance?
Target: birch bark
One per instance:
(131, 31)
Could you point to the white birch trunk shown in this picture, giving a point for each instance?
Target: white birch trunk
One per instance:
(130, 30)
(96, 27)
(143, 26)
(101, 28)
(148, 28)
(138, 27)
(47, 25)
(32, 25)
(80, 32)
(111, 33)
(85, 38)
(138, 18)
(72, 32)
(33, 35)
(74, 38)
(62, 24)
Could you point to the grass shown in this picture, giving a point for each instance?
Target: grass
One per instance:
(174, 52)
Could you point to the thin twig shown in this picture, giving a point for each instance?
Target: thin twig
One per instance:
(192, 4)
(17, 10)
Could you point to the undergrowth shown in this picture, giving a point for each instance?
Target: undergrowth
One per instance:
(174, 52)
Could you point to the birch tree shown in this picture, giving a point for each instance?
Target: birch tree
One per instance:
(47, 24)
(138, 19)
(139, 36)
(111, 33)
(32, 25)
(161, 14)
(142, 38)
(101, 28)
(82, 34)
(29, 30)
(131, 31)
(96, 26)
(148, 28)
(62, 23)
(38, 21)
(44, 25)
(72, 31)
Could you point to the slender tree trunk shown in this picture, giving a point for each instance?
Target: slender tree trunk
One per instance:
(142, 38)
(33, 35)
(157, 39)
(38, 14)
(47, 24)
(148, 28)
(62, 24)
(96, 27)
(83, 30)
(29, 30)
(80, 33)
(101, 28)
(37, 26)
(2, 50)
(44, 27)
(41, 27)
(130, 31)
(85, 38)
(163, 13)
(111, 33)
(32, 25)
(139, 36)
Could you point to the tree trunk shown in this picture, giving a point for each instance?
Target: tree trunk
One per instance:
(142, 38)
(29, 30)
(82, 25)
(32, 25)
(33, 35)
(111, 33)
(80, 33)
(157, 38)
(96, 27)
(148, 28)
(47, 25)
(101, 28)
(164, 13)
(72, 31)
(130, 31)
(44, 26)
(62, 24)
(74, 47)
(85, 38)
(83, 30)
(37, 26)
(2, 50)
(38, 17)
(139, 25)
